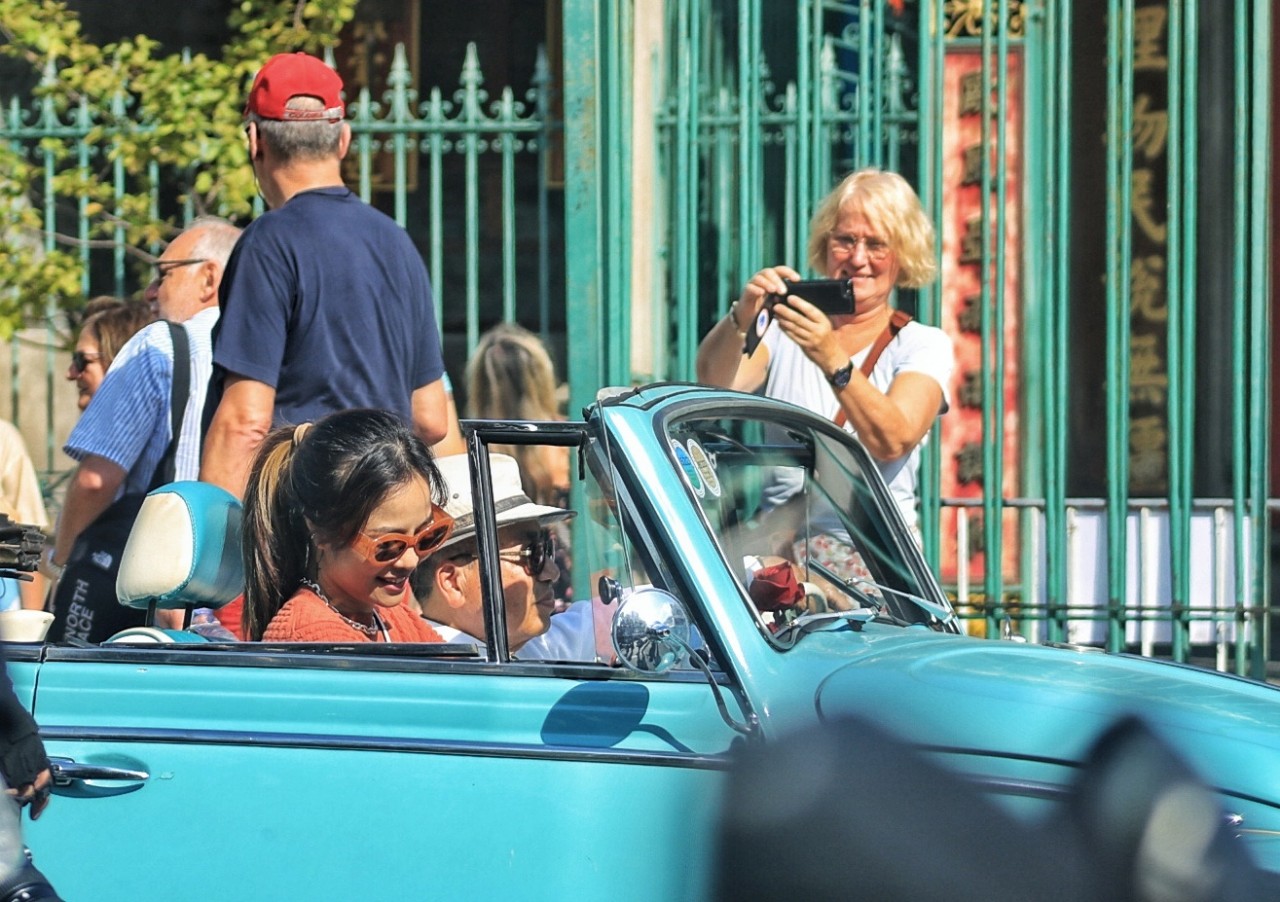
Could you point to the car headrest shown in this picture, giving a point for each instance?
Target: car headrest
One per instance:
(183, 550)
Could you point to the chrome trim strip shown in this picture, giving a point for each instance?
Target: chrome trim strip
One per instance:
(384, 744)
(1027, 789)
(454, 659)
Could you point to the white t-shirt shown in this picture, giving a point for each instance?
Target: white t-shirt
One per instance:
(793, 377)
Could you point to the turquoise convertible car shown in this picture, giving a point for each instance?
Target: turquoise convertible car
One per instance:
(744, 574)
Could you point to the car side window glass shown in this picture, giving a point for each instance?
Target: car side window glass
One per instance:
(614, 556)
(566, 558)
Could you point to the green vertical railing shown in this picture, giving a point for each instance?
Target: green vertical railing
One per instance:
(1118, 236)
(1182, 310)
(1057, 317)
(931, 68)
(1252, 45)
(846, 107)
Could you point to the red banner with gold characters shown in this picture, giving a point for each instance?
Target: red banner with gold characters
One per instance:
(963, 279)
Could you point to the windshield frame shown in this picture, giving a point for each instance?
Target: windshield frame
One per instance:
(878, 507)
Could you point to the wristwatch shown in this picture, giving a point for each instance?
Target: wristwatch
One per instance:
(840, 378)
(50, 568)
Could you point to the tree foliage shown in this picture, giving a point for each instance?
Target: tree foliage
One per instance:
(135, 116)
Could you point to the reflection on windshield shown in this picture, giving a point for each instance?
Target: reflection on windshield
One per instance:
(800, 523)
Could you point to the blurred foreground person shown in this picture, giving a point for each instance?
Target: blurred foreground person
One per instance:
(25, 770)
(848, 812)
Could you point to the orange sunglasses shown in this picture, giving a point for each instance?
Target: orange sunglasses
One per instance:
(390, 546)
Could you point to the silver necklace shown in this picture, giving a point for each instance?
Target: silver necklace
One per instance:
(370, 631)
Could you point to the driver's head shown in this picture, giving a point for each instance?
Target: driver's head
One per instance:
(447, 585)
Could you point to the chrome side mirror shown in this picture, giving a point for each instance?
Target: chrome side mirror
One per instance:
(650, 630)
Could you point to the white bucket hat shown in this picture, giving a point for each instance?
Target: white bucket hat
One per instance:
(510, 503)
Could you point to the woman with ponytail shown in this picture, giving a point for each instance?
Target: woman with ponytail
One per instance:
(337, 516)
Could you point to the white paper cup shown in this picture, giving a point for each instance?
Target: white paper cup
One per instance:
(24, 626)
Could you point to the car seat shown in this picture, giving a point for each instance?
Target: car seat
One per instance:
(183, 553)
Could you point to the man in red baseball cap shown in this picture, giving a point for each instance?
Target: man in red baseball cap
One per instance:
(287, 76)
(326, 303)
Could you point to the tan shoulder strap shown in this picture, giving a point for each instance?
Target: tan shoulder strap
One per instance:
(896, 322)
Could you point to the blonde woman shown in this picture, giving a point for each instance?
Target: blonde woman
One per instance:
(510, 377)
(873, 232)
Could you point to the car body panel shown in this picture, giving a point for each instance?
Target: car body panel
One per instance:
(424, 774)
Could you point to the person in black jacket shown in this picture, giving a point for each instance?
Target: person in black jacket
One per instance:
(25, 769)
(23, 762)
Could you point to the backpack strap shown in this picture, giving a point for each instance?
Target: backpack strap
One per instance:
(178, 396)
(897, 321)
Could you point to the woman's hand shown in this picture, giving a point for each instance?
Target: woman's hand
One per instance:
(764, 283)
(721, 361)
(812, 332)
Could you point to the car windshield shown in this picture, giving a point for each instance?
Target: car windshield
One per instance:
(803, 523)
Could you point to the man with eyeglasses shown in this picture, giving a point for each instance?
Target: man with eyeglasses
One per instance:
(447, 584)
(327, 304)
(124, 433)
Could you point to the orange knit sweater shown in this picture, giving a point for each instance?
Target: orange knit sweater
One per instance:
(306, 618)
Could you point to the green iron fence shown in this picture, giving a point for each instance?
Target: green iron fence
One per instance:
(468, 174)
(1122, 468)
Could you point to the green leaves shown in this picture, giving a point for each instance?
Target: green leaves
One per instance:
(120, 117)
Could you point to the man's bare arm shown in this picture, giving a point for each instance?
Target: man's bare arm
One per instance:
(239, 425)
(453, 441)
(92, 488)
(32, 594)
(430, 412)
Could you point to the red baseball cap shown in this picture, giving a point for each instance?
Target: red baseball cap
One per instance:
(289, 75)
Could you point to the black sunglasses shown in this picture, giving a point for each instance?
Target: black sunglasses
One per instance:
(534, 554)
(164, 267)
(81, 359)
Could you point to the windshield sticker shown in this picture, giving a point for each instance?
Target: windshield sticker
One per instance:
(705, 470)
(690, 471)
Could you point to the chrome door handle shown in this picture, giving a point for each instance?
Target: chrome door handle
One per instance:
(66, 771)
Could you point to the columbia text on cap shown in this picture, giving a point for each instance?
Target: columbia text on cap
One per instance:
(289, 75)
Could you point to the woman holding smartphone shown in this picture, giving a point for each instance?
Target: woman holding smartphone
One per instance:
(872, 232)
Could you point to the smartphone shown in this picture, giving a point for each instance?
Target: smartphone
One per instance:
(831, 296)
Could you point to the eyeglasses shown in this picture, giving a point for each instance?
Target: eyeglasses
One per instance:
(164, 267)
(534, 554)
(390, 546)
(876, 248)
(80, 360)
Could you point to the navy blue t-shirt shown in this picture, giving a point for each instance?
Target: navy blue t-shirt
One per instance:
(328, 301)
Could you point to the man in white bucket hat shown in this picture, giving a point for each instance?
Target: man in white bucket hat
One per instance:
(447, 584)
